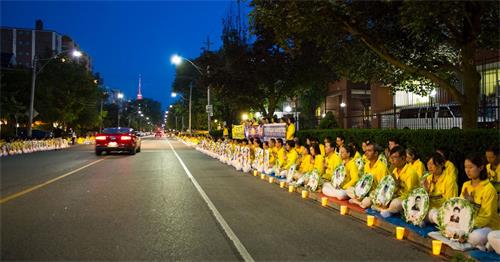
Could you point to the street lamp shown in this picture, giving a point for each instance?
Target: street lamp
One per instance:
(120, 97)
(174, 94)
(177, 60)
(34, 73)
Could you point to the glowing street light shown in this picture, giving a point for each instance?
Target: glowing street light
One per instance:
(170, 106)
(288, 109)
(176, 59)
(77, 53)
(120, 95)
(174, 94)
(342, 104)
(244, 117)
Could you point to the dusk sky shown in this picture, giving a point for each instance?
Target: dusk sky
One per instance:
(126, 39)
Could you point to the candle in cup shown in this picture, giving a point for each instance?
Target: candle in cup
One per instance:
(291, 189)
(282, 184)
(343, 210)
(262, 176)
(305, 193)
(324, 201)
(400, 232)
(370, 220)
(271, 180)
(255, 173)
(436, 247)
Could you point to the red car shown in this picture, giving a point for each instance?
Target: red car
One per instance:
(117, 139)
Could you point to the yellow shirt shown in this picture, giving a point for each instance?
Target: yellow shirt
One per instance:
(485, 196)
(281, 156)
(365, 159)
(332, 162)
(300, 150)
(225, 132)
(351, 175)
(406, 181)
(305, 165)
(319, 165)
(494, 175)
(290, 132)
(357, 155)
(322, 149)
(449, 168)
(419, 167)
(291, 158)
(444, 188)
(378, 170)
(272, 159)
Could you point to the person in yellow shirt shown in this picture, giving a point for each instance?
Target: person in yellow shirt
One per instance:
(373, 166)
(340, 140)
(449, 166)
(280, 153)
(406, 180)
(480, 192)
(493, 166)
(414, 160)
(315, 140)
(306, 164)
(290, 158)
(317, 161)
(351, 175)
(439, 185)
(225, 132)
(290, 129)
(332, 160)
(271, 149)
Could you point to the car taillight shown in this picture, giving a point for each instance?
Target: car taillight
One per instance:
(125, 137)
(100, 138)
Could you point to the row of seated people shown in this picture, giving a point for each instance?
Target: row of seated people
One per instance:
(281, 159)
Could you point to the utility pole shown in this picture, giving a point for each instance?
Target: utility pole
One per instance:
(32, 96)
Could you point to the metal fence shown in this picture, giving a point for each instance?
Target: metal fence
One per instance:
(447, 116)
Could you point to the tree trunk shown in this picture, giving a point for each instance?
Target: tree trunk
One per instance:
(470, 105)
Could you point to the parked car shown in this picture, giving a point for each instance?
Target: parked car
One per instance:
(35, 133)
(445, 116)
(117, 139)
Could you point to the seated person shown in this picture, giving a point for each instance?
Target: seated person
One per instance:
(373, 166)
(493, 166)
(440, 186)
(479, 191)
(332, 160)
(306, 164)
(414, 160)
(317, 161)
(272, 156)
(351, 175)
(406, 180)
(449, 166)
(290, 159)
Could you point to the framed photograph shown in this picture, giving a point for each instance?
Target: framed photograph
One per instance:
(416, 207)
(456, 219)
(363, 186)
(384, 191)
(338, 176)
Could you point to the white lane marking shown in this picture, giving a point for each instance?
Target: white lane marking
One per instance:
(225, 226)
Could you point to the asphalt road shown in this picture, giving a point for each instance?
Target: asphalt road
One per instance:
(145, 207)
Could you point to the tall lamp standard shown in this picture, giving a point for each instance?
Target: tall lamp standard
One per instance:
(177, 60)
(120, 97)
(34, 73)
(174, 95)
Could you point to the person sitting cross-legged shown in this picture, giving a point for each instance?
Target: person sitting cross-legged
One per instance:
(290, 158)
(351, 175)
(406, 179)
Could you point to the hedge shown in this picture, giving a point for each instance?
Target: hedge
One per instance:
(456, 141)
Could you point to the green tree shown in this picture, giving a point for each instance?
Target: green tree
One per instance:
(410, 45)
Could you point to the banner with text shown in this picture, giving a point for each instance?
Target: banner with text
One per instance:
(238, 132)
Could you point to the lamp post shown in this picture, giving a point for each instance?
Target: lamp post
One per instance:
(174, 94)
(177, 60)
(120, 97)
(34, 73)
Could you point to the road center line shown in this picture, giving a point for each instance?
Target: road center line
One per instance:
(225, 226)
(26, 191)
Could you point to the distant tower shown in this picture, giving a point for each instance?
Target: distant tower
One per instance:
(139, 94)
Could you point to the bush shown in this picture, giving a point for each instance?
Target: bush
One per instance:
(328, 122)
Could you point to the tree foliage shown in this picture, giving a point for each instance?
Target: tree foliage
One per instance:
(410, 45)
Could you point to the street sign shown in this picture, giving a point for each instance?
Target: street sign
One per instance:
(209, 108)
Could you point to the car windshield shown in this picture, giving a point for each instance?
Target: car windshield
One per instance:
(116, 130)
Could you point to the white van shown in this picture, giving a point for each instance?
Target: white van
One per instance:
(435, 117)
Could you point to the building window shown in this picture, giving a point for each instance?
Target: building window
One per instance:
(489, 81)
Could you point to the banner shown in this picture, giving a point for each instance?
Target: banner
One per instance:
(238, 132)
(254, 131)
(274, 131)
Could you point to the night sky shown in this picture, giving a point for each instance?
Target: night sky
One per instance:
(126, 39)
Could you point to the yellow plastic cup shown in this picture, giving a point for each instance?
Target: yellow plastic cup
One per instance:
(282, 184)
(271, 180)
(291, 189)
(436, 247)
(343, 210)
(262, 176)
(370, 220)
(305, 193)
(324, 201)
(255, 173)
(400, 232)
